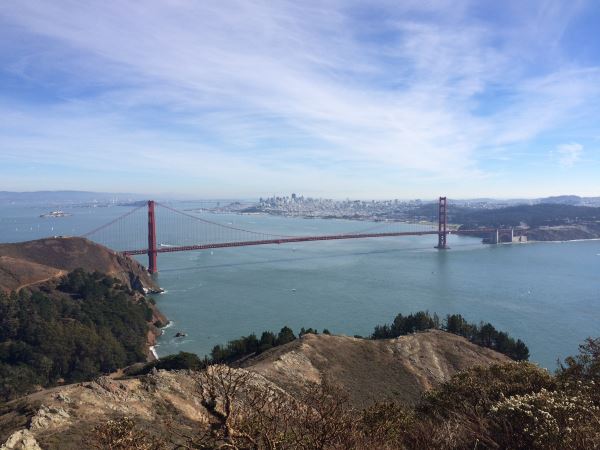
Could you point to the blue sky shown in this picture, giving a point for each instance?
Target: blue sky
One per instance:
(360, 99)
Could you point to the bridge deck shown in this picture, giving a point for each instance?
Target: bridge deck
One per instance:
(295, 239)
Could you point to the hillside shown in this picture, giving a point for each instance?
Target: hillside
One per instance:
(71, 310)
(27, 263)
(400, 369)
(372, 370)
(551, 221)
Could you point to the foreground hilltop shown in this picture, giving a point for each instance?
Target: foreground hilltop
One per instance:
(369, 371)
(28, 263)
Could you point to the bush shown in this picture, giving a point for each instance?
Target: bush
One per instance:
(124, 434)
(478, 388)
(567, 418)
(179, 361)
(585, 365)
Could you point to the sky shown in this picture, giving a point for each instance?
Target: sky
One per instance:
(341, 99)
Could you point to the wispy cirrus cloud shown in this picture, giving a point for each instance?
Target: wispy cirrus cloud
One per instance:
(316, 89)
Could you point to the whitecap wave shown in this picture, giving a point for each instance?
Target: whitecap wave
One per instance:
(169, 324)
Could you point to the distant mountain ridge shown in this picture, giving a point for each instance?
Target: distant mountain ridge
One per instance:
(64, 197)
(573, 200)
(75, 196)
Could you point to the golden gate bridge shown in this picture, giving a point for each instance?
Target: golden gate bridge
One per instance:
(136, 234)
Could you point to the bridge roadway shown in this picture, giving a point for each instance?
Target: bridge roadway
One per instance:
(300, 239)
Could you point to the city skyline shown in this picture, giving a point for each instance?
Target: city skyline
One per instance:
(334, 100)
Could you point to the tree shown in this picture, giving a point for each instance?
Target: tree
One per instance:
(486, 335)
(585, 365)
(267, 341)
(304, 331)
(520, 352)
(182, 360)
(456, 324)
(285, 335)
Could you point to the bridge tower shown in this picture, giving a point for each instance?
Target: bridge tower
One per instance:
(152, 266)
(442, 224)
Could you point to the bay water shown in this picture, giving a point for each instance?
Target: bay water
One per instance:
(547, 294)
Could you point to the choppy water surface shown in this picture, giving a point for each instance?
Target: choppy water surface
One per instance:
(547, 294)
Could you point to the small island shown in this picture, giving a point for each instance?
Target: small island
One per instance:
(57, 213)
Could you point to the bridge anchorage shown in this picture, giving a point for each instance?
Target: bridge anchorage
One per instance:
(174, 231)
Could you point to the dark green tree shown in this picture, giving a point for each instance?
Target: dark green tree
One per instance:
(285, 335)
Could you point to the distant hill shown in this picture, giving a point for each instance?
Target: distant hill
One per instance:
(573, 200)
(27, 263)
(64, 197)
(539, 222)
(543, 214)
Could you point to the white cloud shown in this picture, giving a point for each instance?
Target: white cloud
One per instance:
(274, 86)
(569, 154)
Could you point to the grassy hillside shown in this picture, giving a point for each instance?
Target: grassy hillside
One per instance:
(26, 263)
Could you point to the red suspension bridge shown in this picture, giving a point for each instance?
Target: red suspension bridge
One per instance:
(185, 231)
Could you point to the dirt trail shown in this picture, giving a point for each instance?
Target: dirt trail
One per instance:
(60, 273)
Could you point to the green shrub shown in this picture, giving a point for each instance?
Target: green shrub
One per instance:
(478, 388)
